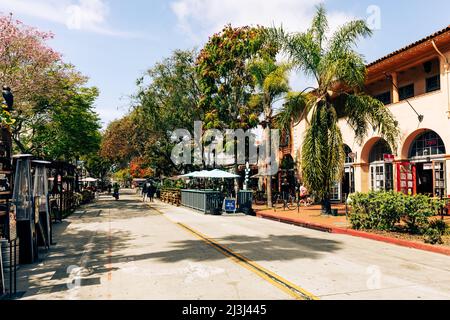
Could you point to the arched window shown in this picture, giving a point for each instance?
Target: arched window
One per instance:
(379, 150)
(427, 144)
(348, 151)
(381, 173)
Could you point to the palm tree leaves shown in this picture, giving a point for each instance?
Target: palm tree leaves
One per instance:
(363, 111)
(319, 26)
(345, 38)
(294, 110)
(304, 53)
(340, 73)
(323, 155)
(272, 83)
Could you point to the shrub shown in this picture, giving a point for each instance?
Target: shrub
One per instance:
(385, 210)
(376, 210)
(418, 210)
(434, 231)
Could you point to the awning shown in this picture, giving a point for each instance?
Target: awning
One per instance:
(214, 174)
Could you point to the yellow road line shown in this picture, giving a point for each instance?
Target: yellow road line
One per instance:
(281, 283)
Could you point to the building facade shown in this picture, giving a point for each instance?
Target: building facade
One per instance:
(414, 84)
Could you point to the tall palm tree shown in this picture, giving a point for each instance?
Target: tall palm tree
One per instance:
(272, 84)
(340, 74)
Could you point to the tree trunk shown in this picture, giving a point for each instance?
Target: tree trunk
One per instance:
(326, 205)
(269, 173)
(19, 144)
(236, 169)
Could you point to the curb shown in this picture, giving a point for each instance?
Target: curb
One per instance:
(355, 233)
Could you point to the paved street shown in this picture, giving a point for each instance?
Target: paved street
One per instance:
(127, 250)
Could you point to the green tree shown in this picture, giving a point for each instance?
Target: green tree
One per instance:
(272, 85)
(116, 144)
(340, 74)
(97, 166)
(167, 99)
(226, 82)
(68, 129)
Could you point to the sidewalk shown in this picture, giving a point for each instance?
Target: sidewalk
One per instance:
(312, 218)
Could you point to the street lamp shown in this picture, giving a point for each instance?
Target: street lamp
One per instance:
(8, 96)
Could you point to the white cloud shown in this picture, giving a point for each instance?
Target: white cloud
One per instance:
(209, 16)
(82, 15)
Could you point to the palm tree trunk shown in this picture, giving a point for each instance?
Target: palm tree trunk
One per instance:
(269, 174)
(236, 169)
(326, 205)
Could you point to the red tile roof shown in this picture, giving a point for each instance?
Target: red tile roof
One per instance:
(430, 37)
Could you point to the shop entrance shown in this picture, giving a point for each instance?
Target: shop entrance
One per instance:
(424, 178)
(425, 173)
(343, 189)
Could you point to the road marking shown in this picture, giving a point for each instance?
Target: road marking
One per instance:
(281, 283)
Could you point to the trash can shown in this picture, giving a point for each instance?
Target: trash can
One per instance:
(245, 201)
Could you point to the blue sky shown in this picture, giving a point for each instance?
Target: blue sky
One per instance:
(115, 41)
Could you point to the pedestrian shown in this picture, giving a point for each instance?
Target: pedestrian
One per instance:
(144, 191)
(305, 197)
(116, 191)
(285, 189)
(150, 192)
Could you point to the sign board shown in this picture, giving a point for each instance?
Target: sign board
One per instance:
(389, 158)
(230, 205)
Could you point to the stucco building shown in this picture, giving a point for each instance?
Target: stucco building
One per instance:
(414, 84)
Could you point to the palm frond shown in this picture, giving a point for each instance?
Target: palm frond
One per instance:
(347, 69)
(277, 81)
(304, 52)
(293, 111)
(364, 111)
(323, 155)
(344, 39)
(319, 26)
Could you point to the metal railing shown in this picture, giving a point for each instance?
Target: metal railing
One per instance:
(206, 201)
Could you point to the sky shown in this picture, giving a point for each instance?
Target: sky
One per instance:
(114, 42)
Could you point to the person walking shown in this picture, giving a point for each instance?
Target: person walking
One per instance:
(285, 189)
(116, 191)
(150, 192)
(144, 191)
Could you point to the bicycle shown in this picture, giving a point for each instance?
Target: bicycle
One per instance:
(291, 203)
(259, 198)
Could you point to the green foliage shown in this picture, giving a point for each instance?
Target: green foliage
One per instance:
(5, 117)
(68, 129)
(418, 210)
(434, 231)
(340, 74)
(226, 82)
(167, 99)
(377, 210)
(97, 166)
(391, 211)
(174, 184)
